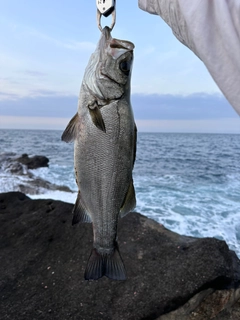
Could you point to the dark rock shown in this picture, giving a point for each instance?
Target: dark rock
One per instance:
(209, 304)
(43, 259)
(33, 162)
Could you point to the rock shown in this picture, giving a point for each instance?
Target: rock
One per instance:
(43, 259)
(9, 164)
(209, 304)
(37, 185)
(16, 168)
(33, 162)
(5, 156)
(19, 166)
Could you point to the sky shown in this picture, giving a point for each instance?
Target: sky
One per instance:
(45, 47)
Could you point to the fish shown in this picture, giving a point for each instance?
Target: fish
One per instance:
(104, 134)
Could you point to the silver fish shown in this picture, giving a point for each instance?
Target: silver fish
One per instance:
(104, 132)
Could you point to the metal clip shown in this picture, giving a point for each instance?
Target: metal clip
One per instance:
(106, 8)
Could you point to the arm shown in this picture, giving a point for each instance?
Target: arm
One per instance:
(211, 29)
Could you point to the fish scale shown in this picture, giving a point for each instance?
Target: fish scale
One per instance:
(104, 132)
(102, 174)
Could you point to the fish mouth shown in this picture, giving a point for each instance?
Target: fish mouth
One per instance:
(121, 44)
(115, 47)
(106, 33)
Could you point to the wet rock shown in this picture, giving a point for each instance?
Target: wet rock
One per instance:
(43, 259)
(6, 156)
(33, 162)
(22, 178)
(37, 186)
(16, 168)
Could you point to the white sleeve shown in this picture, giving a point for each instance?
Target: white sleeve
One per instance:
(211, 29)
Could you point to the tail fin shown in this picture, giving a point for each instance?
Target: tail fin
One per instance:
(109, 265)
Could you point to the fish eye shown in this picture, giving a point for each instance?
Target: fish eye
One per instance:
(125, 66)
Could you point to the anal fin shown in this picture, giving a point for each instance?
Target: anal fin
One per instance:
(109, 265)
(135, 144)
(129, 202)
(70, 133)
(80, 213)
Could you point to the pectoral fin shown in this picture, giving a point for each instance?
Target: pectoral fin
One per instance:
(129, 201)
(80, 213)
(96, 116)
(70, 133)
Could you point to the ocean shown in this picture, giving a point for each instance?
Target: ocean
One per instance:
(190, 183)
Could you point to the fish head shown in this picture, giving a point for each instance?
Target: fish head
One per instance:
(109, 74)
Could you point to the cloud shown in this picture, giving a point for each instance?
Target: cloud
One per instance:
(34, 123)
(8, 96)
(76, 45)
(24, 30)
(67, 44)
(50, 103)
(170, 106)
(45, 93)
(225, 125)
(44, 104)
(8, 80)
(34, 73)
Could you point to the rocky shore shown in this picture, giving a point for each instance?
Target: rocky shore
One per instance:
(170, 276)
(19, 170)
